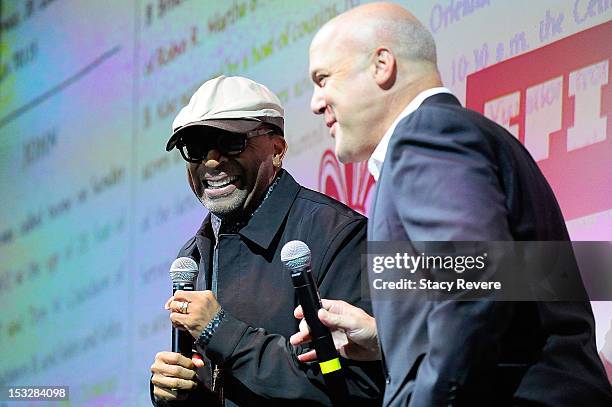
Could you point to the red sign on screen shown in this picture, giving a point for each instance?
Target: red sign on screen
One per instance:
(556, 100)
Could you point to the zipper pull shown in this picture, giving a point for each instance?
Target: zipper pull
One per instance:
(215, 376)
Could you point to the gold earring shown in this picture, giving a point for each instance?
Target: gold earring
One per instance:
(276, 161)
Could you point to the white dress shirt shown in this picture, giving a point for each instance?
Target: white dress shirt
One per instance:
(375, 161)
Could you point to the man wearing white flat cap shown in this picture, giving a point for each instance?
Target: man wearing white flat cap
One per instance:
(241, 315)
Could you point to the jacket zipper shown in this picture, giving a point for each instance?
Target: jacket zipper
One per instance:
(215, 371)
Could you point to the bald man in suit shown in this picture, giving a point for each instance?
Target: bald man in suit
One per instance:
(445, 173)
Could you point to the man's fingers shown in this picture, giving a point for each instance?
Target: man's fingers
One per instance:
(167, 304)
(161, 393)
(335, 321)
(302, 336)
(299, 338)
(327, 304)
(190, 296)
(178, 320)
(173, 358)
(172, 371)
(180, 295)
(175, 306)
(197, 360)
(304, 326)
(309, 356)
(179, 372)
(338, 306)
(172, 383)
(298, 313)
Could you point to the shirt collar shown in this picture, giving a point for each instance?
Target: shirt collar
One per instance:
(377, 158)
(265, 222)
(231, 225)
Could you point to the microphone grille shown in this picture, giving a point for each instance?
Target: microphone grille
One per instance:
(295, 254)
(184, 270)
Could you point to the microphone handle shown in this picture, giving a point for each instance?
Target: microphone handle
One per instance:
(322, 341)
(182, 342)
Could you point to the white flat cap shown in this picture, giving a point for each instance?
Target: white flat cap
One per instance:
(231, 103)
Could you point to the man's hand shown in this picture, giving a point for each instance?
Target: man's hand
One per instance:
(173, 372)
(353, 323)
(202, 307)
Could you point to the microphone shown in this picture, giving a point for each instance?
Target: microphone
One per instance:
(183, 272)
(295, 256)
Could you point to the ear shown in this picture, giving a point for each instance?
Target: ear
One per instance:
(280, 149)
(385, 67)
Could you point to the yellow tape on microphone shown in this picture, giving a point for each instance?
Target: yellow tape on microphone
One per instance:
(330, 366)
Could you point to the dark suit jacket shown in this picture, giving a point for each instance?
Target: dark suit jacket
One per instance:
(452, 174)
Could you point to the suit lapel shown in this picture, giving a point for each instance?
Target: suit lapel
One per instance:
(439, 98)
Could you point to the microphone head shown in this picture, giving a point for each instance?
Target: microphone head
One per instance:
(184, 270)
(295, 255)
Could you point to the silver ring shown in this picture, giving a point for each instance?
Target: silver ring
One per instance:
(183, 307)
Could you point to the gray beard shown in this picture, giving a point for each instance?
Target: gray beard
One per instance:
(226, 206)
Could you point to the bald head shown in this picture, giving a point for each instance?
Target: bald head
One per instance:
(373, 25)
(366, 65)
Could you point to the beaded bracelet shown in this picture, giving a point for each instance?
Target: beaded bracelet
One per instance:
(210, 329)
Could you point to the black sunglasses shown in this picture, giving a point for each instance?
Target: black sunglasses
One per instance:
(195, 147)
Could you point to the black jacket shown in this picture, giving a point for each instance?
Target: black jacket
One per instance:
(259, 364)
